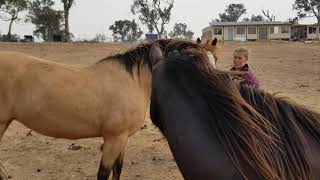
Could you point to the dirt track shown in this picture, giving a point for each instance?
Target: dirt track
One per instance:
(291, 69)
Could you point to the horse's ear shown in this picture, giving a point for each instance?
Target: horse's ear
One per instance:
(214, 42)
(198, 41)
(156, 54)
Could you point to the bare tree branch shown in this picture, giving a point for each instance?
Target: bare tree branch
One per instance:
(269, 16)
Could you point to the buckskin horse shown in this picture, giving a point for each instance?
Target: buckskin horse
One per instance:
(219, 129)
(108, 99)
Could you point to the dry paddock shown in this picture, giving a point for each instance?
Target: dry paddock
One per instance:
(290, 69)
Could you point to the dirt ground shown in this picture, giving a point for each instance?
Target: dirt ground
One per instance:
(288, 68)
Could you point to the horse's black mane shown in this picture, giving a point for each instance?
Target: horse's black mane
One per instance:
(299, 114)
(140, 55)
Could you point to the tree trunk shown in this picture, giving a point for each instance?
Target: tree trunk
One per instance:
(150, 28)
(158, 31)
(10, 26)
(66, 26)
(318, 33)
(159, 34)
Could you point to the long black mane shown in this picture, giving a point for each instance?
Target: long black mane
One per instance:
(140, 55)
(292, 121)
(265, 132)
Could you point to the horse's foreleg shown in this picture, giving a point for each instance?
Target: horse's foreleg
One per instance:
(117, 166)
(112, 148)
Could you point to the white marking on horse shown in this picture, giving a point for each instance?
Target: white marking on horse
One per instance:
(212, 59)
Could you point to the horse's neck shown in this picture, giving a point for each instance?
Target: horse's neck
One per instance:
(113, 69)
(182, 117)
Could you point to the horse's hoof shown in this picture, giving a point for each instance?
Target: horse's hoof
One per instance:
(101, 147)
(3, 173)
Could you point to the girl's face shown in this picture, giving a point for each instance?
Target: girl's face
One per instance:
(239, 60)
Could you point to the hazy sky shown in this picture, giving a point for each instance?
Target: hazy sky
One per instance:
(89, 17)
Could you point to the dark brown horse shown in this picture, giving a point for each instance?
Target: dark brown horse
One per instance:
(217, 129)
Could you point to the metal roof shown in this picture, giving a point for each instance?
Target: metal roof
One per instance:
(246, 23)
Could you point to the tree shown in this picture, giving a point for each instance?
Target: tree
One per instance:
(47, 20)
(180, 31)
(154, 15)
(254, 18)
(294, 20)
(308, 8)
(257, 18)
(269, 16)
(125, 30)
(101, 38)
(10, 10)
(67, 4)
(246, 19)
(233, 13)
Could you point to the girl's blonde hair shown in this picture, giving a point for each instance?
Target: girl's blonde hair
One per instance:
(243, 51)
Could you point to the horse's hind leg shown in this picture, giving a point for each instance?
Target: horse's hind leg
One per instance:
(112, 148)
(117, 166)
(3, 173)
(3, 127)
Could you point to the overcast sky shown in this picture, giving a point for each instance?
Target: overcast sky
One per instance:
(89, 17)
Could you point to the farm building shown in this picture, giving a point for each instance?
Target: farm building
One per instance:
(259, 30)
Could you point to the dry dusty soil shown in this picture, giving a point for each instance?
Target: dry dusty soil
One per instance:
(291, 69)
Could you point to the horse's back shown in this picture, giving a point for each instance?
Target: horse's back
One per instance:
(15, 56)
(12, 62)
(15, 63)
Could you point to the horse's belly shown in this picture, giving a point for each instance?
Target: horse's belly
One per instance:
(61, 128)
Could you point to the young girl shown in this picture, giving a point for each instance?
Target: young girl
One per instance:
(240, 58)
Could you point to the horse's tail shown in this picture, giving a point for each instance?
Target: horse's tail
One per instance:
(290, 119)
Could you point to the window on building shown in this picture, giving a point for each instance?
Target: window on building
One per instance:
(272, 30)
(284, 29)
(252, 30)
(241, 30)
(276, 30)
(312, 30)
(217, 31)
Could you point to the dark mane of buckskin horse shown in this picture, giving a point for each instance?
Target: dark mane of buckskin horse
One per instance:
(141, 54)
(264, 136)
